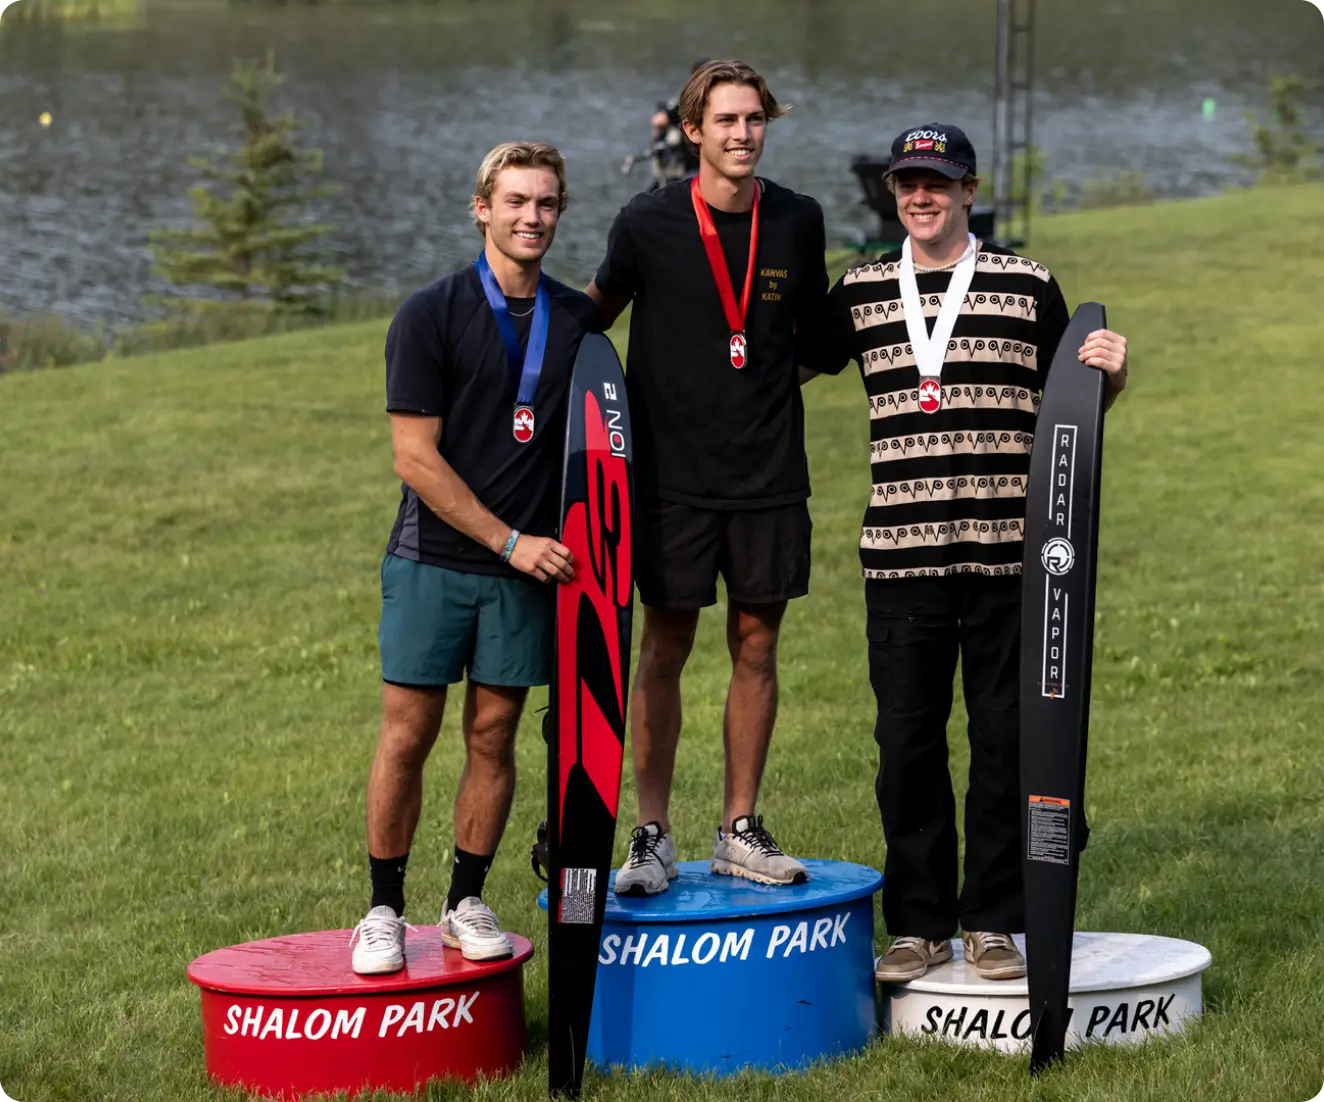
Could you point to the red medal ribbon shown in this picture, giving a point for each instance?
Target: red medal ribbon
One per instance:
(735, 316)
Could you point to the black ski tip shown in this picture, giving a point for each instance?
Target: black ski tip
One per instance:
(1090, 316)
(565, 1077)
(1041, 1062)
(1045, 1050)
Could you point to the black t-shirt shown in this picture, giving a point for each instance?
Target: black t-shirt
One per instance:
(445, 358)
(706, 433)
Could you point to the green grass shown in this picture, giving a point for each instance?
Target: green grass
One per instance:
(189, 547)
(29, 342)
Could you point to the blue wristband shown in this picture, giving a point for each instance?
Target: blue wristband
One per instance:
(510, 545)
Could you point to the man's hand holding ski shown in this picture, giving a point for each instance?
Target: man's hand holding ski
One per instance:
(544, 558)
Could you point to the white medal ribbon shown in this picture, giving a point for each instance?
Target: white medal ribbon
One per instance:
(931, 351)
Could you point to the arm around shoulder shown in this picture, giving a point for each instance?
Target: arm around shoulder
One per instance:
(609, 306)
(618, 276)
(825, 335)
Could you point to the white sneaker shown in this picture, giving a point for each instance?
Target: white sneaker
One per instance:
(750, 851)
(473, 929)
(651, 866)
(379, 943)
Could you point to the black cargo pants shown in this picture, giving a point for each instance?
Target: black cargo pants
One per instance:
(916, 629)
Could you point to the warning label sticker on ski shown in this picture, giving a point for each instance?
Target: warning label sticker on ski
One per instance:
(578, 894)
(1050, 830)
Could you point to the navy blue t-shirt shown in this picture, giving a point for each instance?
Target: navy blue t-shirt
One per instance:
(445, 358)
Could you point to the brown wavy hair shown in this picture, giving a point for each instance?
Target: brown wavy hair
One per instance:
(694, 96)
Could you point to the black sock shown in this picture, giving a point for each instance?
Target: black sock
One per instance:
(467, 876)
(388, 882)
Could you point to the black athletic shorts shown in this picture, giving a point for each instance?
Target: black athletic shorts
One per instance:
(680, 549)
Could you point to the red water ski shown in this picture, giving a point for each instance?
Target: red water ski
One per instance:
(590, 687)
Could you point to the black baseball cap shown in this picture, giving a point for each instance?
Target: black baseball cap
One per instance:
(934, 145)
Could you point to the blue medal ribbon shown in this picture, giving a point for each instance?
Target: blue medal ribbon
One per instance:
(525, 365)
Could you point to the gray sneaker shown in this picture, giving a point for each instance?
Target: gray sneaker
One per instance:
(909, 958)
(651, 866)
(994, 956)
(749, 851)
(473, 929)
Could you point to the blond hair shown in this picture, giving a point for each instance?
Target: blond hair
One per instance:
(694, 96)
(516, 155)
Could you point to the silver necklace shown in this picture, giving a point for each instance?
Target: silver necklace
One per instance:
(525, 314)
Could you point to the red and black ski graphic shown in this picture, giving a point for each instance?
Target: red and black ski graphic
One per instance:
(1057, 644)
(590, 686)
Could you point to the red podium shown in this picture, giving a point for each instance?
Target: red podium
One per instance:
(287, 1016)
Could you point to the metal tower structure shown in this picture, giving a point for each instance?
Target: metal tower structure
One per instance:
(1006, 220)
(1013, 110)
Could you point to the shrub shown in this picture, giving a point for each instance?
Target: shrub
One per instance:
(1285, 149)
(45, 341)
(1130, 189)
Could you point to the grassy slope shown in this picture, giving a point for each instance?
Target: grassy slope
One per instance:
(189, 549)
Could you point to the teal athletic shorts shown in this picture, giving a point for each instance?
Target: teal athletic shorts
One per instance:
(438, 624)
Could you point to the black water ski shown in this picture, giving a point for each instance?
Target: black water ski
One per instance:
(1057, 633)
(586, 712)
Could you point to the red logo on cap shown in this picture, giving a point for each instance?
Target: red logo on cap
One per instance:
(930, 395)
(926, 144)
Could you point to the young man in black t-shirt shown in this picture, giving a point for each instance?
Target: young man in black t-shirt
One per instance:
(954, 337)
(721, 271)
(478, 372)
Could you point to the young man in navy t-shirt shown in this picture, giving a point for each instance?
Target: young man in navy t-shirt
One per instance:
(478, 370)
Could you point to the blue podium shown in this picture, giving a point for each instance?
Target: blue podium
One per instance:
(720, 973)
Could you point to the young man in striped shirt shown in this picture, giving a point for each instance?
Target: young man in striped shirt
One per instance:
(954, 337)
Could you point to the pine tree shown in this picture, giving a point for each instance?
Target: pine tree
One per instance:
(255, 244)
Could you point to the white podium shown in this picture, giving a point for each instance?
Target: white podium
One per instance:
(1124, 989)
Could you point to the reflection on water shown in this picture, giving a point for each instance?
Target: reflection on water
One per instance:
(405, 100)
(104, 13)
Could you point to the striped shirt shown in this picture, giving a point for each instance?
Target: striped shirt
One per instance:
(948, 487)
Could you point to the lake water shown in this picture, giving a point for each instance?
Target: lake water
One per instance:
(404, 100)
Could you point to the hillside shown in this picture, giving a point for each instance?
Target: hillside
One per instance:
(189, 547)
